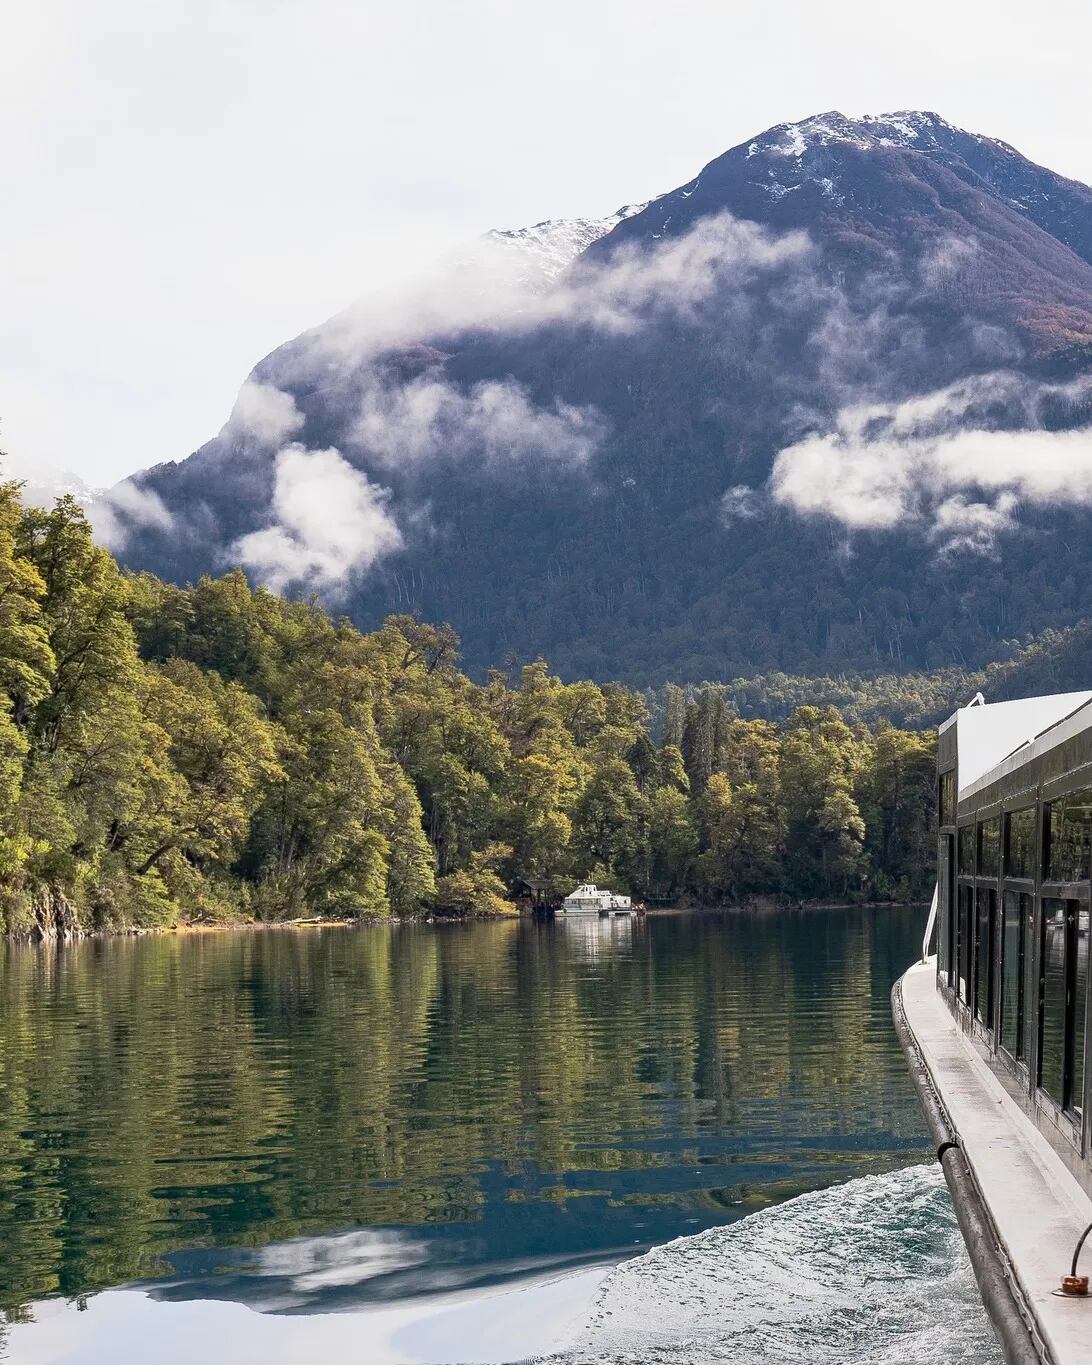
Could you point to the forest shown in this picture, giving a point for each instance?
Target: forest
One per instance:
(1054, 660)
(216, 753)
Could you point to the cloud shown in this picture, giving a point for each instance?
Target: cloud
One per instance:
(741, 503)
(946, 257)
(264, 414)
(402, 422)
(625, 289)
(957, 461)
(331, 524)
(613, 291)
(941, 460)
(965, 525)
(494, 421)
(715, 272)
(125, 508)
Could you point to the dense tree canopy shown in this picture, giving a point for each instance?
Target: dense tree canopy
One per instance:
(172, 755)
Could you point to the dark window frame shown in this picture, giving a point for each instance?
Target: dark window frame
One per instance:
(1073, 1011)
(1027, 798)
(984, 993)
(1026, 879)
(1061, 796)
(987, 868)
(1015, 1049)
(964, 959)
(946, 799)
(965, 839)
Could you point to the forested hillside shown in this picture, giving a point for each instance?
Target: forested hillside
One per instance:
(212, 753)
(1053, 661)
(823, 409)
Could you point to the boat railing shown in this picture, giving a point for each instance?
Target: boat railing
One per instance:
(930, 924)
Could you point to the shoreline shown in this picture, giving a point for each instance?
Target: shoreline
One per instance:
(762, 908)
(241, 926)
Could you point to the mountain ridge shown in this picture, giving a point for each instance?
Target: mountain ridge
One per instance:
(772, 365)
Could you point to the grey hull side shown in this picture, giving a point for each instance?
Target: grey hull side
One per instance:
(1012, 1319)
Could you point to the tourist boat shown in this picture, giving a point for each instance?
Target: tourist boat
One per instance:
(588, 899)
(997, 1023)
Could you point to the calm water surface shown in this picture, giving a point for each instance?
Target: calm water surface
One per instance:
(307, 1123)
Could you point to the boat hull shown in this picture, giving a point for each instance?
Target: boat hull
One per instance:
(595, 910)
(1019, 1208)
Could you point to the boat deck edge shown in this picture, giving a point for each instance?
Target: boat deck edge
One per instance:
(1019, 1208)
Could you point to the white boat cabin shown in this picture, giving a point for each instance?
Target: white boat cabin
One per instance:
(588, 899)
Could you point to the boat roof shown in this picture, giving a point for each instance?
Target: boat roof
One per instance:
(995, 738)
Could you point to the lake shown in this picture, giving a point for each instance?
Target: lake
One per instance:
(430, 1143)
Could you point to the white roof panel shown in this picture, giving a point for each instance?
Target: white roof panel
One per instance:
(987, 735)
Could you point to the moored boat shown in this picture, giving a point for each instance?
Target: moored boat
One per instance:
(589, 899)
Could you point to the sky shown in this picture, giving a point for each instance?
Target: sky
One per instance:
(188, 183)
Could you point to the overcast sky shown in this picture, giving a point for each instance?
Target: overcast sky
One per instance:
(188, 183)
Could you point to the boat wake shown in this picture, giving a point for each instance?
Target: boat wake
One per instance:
(872, 1272)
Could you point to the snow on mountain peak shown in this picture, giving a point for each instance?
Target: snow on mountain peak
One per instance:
(909, 128)
(550, 247)
(497, 271)
(43, 483)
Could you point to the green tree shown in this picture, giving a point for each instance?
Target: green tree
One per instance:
(821, 760)
(672, 841)
(895, 792)
(610, 823)
(477, 889)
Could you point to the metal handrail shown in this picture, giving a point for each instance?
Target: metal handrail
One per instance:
(930, 924)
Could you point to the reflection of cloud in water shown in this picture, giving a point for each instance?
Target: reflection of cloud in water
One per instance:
(363, 1269)
(311, 1263)
(593, 938)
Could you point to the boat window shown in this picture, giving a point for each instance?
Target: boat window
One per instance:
(947, 798)
(1018, 909)
(1079, 948)
(963, 941)
(966, 851)
(1064, 974)
(989, 847)
(1069, 837)
(985, 936)
(1020, 843)
(1052, 1008)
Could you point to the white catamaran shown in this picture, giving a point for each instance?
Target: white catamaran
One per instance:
(588, 899)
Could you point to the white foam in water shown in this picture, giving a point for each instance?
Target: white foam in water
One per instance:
(872, 1272)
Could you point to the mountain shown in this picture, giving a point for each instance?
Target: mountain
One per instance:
(542, 252)
(43, 483)
(825, 407)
